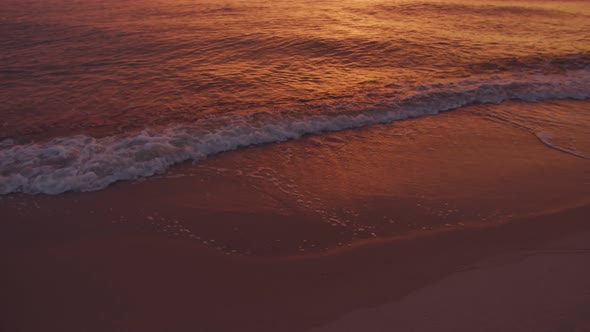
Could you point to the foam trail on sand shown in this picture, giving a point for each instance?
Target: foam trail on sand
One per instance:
(547, 139)
(83, 163)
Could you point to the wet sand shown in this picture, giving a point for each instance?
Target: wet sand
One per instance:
(290, 236)
(543, 289)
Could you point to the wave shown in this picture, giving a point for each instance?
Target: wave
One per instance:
(84, 163)
(482, 10)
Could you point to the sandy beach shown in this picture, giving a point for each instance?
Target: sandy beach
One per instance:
(541, 289)
(294, 166)
(284, 237)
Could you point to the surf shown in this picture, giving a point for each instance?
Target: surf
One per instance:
(84, 163)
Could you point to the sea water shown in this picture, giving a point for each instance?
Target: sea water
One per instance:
(93, 92)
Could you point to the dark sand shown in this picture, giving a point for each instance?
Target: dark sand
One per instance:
(297, 235)
(543, 289)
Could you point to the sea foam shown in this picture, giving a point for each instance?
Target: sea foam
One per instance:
(83, 163)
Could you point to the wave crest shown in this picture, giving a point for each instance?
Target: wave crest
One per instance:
(83, 163)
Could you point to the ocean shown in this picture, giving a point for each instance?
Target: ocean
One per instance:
(94, 92)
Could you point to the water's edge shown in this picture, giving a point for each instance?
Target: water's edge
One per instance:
(84, 163)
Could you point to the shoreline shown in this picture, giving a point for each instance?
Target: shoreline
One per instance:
(258, 239)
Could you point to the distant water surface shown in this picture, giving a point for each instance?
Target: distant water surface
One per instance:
(93, 92)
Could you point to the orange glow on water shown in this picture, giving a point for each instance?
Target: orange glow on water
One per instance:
(206, 77)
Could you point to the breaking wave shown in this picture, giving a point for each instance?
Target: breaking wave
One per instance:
(83, 163)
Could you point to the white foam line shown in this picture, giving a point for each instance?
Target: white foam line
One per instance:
(547, 139)
(83, 163)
